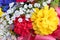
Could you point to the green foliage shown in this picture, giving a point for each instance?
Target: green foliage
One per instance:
(55, 3)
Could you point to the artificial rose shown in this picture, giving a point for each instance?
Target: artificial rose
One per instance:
(23, 26)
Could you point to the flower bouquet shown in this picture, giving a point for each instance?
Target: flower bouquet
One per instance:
(29, 20)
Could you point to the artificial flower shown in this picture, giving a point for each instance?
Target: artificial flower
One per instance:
(39, 37)
(22, 26)
(37, 5)
(45, 20)
(48, 1)
(58, 11)
(1, 13)
(21, 0)
(44, 4)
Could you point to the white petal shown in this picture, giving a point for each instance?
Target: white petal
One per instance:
(44, 4)
(11, 4)
(49, 1)
(30, 6)
(1, 26)
(10, 21)
(7, 17)
(26, 19)
(1, 19)
(27, 15)
(21, 2)
(21, 12)
(25, 6)
(20, 19)
(4, 22)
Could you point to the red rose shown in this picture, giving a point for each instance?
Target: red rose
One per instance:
(22, 28)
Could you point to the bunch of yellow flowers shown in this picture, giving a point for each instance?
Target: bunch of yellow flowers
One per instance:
(44, 20)
(1, 13)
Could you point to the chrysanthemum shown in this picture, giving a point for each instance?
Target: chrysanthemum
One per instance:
(45, 20)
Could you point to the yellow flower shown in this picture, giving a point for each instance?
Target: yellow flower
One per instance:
(1, 13)
(45, 20)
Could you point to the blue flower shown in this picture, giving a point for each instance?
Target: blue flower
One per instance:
(5, 4)
(5, 8)
(8, 1)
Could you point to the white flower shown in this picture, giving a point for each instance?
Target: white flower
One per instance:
(22, 3)
(11, 4)
(1, 19)
(10, 21)
(28, 11)
(4, 22)
(30, 6)
(9, 11)
(1, 26)
(16, 14)
(8, 33)
(7, 17)
(21, 12)
(31, 11)
(26, 6)
(44, 4)
(13, 17)
(30, 0)
(26, 19)
(20, 19)
(4, 38)
(37, 5)
(1, 33)
(27, 15)
(48, 1)
(7, 26)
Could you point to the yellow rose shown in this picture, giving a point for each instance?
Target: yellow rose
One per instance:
(45, 20)
(1, 13)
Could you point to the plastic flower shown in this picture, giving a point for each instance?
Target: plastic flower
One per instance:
(22, 26)
(45, 20)
(1, 13)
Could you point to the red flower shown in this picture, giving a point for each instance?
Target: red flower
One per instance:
(22, 28)
(21, 0)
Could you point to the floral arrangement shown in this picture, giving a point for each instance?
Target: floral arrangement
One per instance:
(29, 20)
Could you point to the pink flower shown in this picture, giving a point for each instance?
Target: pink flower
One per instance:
(38, 37)
(58, 11)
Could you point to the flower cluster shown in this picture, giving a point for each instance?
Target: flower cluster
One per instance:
(22, 26)
(29, 20)
(45, 20)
